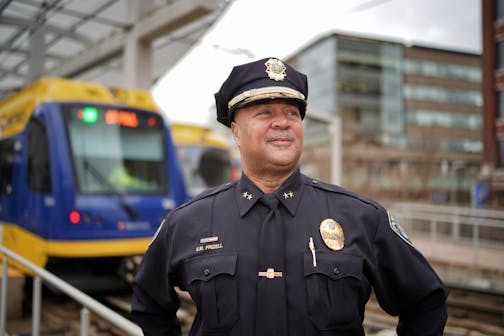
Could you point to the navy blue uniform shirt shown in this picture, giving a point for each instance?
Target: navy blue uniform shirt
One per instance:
(210, 247)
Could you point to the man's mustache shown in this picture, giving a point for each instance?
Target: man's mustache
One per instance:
(280, 136)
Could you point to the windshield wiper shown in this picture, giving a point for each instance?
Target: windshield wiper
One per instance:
(96, 174)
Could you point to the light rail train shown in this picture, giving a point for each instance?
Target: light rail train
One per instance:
(205, 156)
(87, 173)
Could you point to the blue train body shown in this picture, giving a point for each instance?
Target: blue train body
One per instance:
(84, 179)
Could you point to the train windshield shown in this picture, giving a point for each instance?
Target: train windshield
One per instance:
(204, 167)
(116, 151)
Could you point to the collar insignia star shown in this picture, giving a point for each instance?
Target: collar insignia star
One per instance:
(288, 195)
(246, 195)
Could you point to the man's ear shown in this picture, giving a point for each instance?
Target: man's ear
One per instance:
(235, 130)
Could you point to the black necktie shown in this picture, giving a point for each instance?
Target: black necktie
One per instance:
(271, 310)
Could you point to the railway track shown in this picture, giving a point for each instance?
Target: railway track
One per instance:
(470, 314)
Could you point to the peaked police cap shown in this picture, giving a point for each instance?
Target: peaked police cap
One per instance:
(262, 80)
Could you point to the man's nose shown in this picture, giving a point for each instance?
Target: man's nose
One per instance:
(280, 121)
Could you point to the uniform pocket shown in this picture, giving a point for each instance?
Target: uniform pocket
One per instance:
(333, 289)
(212, 283)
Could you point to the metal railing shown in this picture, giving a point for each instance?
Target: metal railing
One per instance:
(87, 302)
(476, 227)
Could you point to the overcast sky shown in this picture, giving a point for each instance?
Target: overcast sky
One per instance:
(253, 29)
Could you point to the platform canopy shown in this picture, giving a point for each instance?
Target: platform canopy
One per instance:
(115, 42)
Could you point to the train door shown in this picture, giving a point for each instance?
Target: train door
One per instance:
(39, 202)
(7, 147)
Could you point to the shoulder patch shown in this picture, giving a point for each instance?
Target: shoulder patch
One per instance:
(339, 190)
(157, 231)
(397, 228)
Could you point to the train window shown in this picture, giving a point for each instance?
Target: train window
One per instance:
(6, 165)
(116, 151)
(204, 167)
(39, 167)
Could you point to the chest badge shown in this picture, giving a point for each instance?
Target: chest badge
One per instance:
(332, 234)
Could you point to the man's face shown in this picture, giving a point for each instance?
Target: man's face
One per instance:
(269, 136)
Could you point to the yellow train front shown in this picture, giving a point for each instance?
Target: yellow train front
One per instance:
(87, 174)
(206, 157)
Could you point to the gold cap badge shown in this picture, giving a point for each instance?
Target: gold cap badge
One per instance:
(275, 69)
(332, 234)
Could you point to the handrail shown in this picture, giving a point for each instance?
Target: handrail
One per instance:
(430, 216)
(455, 216)
(451, 210)
(446, 218)
(86, 301)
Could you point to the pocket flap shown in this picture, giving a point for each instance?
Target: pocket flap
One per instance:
(207, 267)
(333, 265)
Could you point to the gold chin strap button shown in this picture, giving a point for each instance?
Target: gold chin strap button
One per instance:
(270, 273)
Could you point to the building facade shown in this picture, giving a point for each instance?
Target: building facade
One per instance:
(493, 98)
(410, 117)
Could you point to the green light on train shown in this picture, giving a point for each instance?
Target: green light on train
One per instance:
(89, 114)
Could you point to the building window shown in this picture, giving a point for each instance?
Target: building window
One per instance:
(501, 153)
(319, 63)
(391, 83)
(500, 10)
(500, 104)
(443, 95)
(500, 54)
(445, 145)
(443, 70)
(430, 118)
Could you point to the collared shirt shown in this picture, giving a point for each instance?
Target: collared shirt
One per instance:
(210, 247)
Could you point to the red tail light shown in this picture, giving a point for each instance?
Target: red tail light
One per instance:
(74, 217)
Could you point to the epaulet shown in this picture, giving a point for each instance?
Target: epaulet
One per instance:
(339, 190)
(207, 193)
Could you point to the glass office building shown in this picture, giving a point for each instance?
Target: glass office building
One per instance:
(410, 117)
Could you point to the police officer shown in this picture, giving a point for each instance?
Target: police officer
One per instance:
(279, 253)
